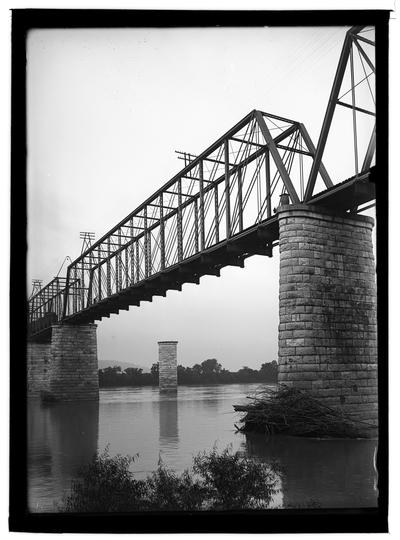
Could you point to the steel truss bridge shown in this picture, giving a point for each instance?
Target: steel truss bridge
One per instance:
(219, 209)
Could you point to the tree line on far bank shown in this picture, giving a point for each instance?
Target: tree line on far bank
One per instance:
(208, 372)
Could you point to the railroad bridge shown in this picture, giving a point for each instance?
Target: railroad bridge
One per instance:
(261, 184)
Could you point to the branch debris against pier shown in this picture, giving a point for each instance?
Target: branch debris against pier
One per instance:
(291, 411)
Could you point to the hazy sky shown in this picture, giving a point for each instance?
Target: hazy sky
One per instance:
(107, 109)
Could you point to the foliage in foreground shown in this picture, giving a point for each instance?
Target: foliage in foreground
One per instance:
(216, 481)
(296, 412)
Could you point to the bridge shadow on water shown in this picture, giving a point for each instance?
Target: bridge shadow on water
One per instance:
(334, 473)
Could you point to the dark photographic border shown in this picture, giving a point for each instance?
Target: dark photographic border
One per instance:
(268, 521)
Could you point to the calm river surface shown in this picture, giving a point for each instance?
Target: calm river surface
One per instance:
(63, 437)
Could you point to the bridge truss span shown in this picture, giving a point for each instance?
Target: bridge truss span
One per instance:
(205, 217)
(219, 209)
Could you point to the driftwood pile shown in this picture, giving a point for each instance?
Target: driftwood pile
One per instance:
(291, 411)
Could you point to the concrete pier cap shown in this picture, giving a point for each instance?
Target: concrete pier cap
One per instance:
(167, 365)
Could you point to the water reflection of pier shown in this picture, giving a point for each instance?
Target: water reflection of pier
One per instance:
(327, 473)
(168, 411)
(62, 438)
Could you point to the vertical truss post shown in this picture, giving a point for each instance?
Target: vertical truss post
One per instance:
(227, 190)
(108, 267)
(99, 273)
(137, 262)
(216, 213)
(66, 293)
(89, 296)
(49, 300)
(196, 226)
(277, 158)
(82, 284)
(353, 101)
(126, 268)
(179, 221)
(337, 83)
(162, 233)
(149, 257)
(132, 246)
(240, 198)
(118, 262)
(268, 184)
(146, 251)
(75, 289)
(202, 231)
(58, 310)
(92, 278)
(132, 263)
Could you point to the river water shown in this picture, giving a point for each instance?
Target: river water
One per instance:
(63, 437)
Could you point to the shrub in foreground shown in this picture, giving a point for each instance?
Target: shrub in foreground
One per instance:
(106, 485)
(216, 481)
(234, 482)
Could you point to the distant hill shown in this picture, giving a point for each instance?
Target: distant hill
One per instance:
(111, 363)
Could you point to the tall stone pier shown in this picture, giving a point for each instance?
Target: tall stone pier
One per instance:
(66, 368)
(167, 366)
(327, 308)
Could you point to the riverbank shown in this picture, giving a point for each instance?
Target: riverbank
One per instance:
(194, 384)
(208, 372)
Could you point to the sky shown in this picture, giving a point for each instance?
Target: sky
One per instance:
(106, 111)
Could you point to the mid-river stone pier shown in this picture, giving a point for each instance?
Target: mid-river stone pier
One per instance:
(327, 308)
(64, 368)
(167, 366)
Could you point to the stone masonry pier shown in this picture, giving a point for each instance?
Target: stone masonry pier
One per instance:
(66, 369)
(327, 308)
(167, 366)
